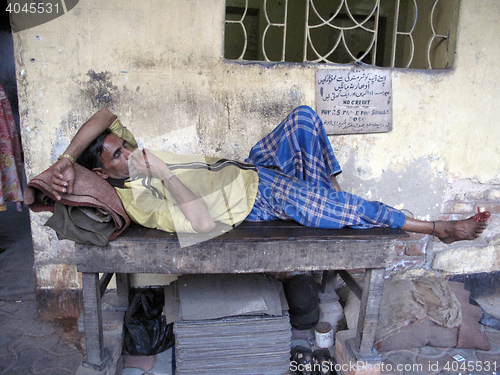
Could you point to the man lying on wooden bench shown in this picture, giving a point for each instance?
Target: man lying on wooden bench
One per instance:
(289, 175)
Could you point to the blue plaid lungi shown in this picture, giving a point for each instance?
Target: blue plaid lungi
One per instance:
(294, 163)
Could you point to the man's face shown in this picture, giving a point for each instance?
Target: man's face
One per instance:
(114, 157)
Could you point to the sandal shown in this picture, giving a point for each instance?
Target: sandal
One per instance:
(302, 361)
(323, 364)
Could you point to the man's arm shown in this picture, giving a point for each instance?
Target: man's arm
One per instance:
(191, 206)
(335, 183)
(63, 174)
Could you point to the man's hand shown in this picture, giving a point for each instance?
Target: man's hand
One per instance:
(63, 177)
(144, 162)
(63, 172)
(335, 183)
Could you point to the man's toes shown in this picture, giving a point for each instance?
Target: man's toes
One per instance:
(481, 228)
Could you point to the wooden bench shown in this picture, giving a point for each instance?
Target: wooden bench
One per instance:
(276, 246)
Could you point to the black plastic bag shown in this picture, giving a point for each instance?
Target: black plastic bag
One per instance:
(146, 329)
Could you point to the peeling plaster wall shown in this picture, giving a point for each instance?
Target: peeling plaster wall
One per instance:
(159, 66)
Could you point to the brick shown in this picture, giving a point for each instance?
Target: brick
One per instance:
(493, 195)
(448, 217)
(458, 207)
(417, 236)
(400, 248)
(444, 217)
(493, 208)
(407, 263)
(475, 195)
(417, 249)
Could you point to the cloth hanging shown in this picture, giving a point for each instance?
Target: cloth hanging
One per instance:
(10, 156)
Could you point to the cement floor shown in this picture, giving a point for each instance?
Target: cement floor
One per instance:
(29, 345)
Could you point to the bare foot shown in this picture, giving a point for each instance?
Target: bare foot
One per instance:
(451, 231)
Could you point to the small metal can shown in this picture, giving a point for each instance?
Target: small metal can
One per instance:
(323, 334)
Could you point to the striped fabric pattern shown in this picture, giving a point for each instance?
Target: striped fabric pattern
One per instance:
(294, 164)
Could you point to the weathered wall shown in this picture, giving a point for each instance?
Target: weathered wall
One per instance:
(159, 66)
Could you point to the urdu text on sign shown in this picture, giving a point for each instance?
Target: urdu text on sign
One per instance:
(354, 101)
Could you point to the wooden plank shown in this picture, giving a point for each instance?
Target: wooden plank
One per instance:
(267, 231)
(351, 283)
(150, 256)
(123, 285)
(104, 282)
(369, 313)
(328, 282)
(275, 246)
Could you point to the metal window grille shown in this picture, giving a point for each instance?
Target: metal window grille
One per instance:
(417, 34)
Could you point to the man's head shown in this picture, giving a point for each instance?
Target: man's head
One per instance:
(107, 156)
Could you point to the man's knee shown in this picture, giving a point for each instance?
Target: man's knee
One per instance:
(305, 109)
(307, 117)
(303, 117)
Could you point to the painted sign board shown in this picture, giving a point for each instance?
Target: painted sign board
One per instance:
(357, 100)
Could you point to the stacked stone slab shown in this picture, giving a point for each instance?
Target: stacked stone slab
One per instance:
(234, 345)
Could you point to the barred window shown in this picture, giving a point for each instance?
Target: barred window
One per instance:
(417, 34)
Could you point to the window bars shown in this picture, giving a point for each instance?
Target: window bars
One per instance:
(389, 33)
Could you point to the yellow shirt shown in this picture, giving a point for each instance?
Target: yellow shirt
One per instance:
(227, 188)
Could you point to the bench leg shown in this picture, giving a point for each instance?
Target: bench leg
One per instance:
(92, 317)
(369, 313)
(122, 284)
(328, 282)
(123, 289)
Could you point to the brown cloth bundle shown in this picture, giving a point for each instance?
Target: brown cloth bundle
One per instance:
(428, 311)
(89, 190)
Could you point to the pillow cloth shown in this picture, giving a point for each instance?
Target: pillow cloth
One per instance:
(89, 190)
